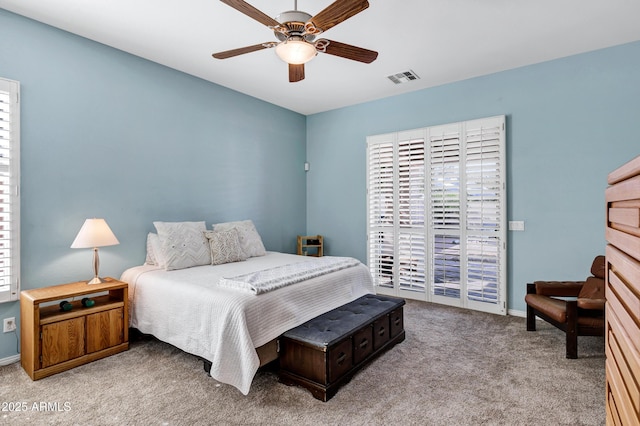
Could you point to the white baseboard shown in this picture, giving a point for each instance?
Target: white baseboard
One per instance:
(10, 360)
(517, 313)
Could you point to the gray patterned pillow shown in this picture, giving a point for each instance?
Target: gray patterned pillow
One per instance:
(225, 246)
(183, 244)
(249, 237)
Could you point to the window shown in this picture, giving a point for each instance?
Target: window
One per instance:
(9, 190)
(436, 214)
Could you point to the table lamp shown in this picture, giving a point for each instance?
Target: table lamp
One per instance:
(93, 234)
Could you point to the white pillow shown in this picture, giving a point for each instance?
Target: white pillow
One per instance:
(249, 237)
(151, 257)
(225, 246)
(183, 244)
(154, 251)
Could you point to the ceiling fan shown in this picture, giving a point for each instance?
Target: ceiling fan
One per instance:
(296, 32)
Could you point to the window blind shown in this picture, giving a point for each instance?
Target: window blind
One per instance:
(9, 190)
(436, 214)
(484, 209)
(380, 177)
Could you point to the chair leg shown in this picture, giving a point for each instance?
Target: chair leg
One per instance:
(572, 330)
(531, 319)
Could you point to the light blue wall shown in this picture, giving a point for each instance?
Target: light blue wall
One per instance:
(107, 134)
(570, 122)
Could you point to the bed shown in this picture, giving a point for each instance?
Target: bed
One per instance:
(190, 309)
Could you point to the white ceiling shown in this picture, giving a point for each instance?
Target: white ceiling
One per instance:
(440, 40)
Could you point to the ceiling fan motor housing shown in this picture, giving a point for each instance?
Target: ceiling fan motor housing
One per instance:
(293, 22)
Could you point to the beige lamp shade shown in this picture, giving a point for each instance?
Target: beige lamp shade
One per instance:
(95, 233)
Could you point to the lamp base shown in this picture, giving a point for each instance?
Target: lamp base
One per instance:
(96, 280)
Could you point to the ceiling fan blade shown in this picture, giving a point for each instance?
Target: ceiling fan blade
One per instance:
(346, 51)
(335, 13)
(252, 12)
(242, 50)
(296, 72)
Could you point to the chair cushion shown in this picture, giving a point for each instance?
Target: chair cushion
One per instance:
(598, 267)
(554, 308)
(558, 288)
(592, 294)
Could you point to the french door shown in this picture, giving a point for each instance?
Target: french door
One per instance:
(436, 214)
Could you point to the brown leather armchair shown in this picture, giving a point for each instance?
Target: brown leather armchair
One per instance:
(581, 315)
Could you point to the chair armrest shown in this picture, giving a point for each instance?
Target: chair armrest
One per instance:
(558, 288)
(591, 304)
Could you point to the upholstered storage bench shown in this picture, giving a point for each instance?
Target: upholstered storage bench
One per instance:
(325, 352)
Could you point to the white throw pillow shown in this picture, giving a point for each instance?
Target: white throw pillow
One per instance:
(249, 237)
(154, 251)
(225, 246)
(151, 257)
(183, 244)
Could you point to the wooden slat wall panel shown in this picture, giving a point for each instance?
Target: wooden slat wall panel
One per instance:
(623, 295)
(628, 170)
(625, 190)
(612, 413)
(622, 240)
(614, 352)
(625, 216)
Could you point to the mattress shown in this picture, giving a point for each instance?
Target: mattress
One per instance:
(190, 310)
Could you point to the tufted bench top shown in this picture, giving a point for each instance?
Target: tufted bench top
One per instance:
(328, 328)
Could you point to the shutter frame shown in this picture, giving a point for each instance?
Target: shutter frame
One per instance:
(9, 187)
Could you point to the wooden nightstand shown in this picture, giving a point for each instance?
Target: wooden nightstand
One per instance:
(53, 340)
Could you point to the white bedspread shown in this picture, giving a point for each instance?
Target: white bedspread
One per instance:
(188, 309)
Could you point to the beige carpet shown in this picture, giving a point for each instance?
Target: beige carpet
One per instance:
(456, 367)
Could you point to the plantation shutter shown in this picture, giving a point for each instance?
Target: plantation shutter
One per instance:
(436, 214)
(411, 209)
(485, 209)
(9, 195)
(445, 209)
(381, 201)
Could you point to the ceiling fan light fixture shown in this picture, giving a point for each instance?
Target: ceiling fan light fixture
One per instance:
(296, 51)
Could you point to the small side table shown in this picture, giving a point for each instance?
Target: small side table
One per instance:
(53, 340)
(310, 245)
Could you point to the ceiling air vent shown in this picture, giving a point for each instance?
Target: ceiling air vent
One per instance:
(403, 77)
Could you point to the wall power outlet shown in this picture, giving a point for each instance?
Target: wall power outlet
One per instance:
(9, 325)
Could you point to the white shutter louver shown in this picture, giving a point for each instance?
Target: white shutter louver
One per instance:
(411, 255)
(9, 197)
(411, 182)
(445, 180)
